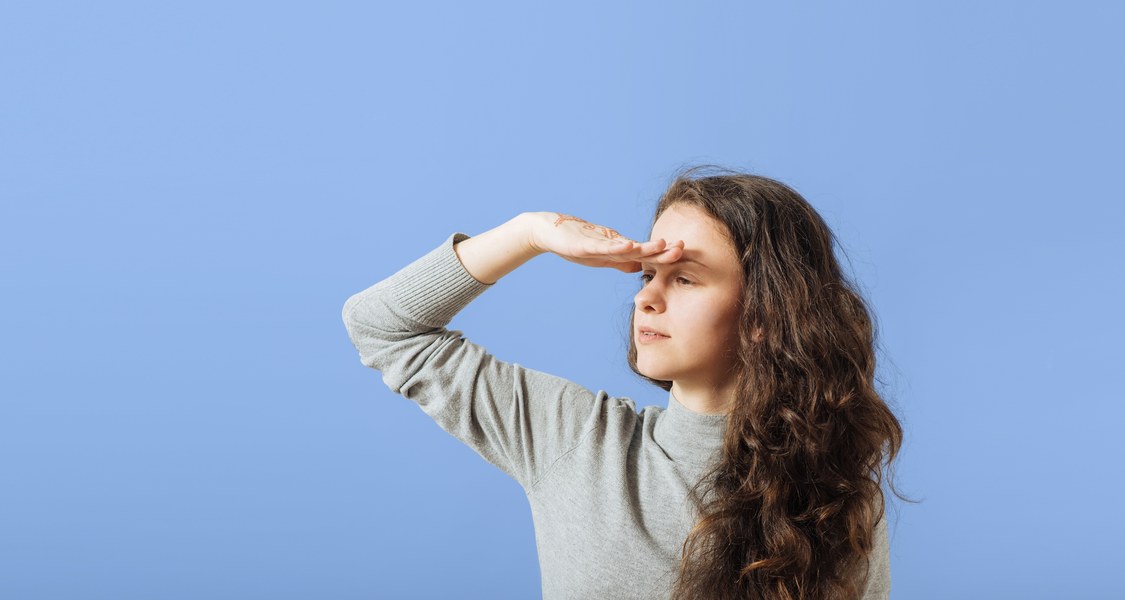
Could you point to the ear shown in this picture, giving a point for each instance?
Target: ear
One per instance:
(759, 335)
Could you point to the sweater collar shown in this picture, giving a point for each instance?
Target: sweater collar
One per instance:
(687, 436)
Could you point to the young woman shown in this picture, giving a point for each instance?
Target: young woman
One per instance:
(762, 477)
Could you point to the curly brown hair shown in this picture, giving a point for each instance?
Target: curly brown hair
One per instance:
(794, 500)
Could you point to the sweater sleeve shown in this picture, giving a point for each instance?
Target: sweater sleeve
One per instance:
(519, 419)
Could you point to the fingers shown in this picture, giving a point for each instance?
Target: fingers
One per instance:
(645, 248)
(628, 253)
(658, 250)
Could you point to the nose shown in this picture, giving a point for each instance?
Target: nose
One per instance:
(649, 298)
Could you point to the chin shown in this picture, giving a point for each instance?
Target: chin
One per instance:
(653, 372)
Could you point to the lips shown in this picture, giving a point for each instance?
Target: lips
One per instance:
(644, 330)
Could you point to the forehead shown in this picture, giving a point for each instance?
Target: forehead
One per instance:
(703, 236)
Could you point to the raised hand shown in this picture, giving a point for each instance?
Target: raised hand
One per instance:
(585, 243)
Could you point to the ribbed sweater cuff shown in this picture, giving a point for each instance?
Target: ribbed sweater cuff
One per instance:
(435, 287)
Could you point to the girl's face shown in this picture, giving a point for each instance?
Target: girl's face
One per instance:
(692, 301)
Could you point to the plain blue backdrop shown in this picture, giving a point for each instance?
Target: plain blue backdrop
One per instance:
(190, 192)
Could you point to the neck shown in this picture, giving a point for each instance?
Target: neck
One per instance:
(705, 399)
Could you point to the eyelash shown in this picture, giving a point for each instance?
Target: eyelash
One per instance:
(644, 281)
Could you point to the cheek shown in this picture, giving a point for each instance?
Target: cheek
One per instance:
(719, 324)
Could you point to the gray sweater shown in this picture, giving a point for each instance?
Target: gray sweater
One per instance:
(608, 486)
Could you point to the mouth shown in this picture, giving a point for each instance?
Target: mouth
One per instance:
(648, 334)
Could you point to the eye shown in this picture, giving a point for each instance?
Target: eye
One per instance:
(646, 277)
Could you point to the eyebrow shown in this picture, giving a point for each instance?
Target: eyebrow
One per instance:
(680, 261)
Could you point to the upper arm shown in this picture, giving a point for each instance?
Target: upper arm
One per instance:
(517, 418)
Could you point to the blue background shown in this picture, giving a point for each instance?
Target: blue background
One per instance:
(191, 191)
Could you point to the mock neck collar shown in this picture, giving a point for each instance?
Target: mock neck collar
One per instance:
(688, 436)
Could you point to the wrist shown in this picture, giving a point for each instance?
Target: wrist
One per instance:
(498, 251)
(530, 223)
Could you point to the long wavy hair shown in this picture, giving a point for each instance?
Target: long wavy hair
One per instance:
(793, 502)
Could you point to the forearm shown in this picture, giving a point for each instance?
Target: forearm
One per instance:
(498, 251)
